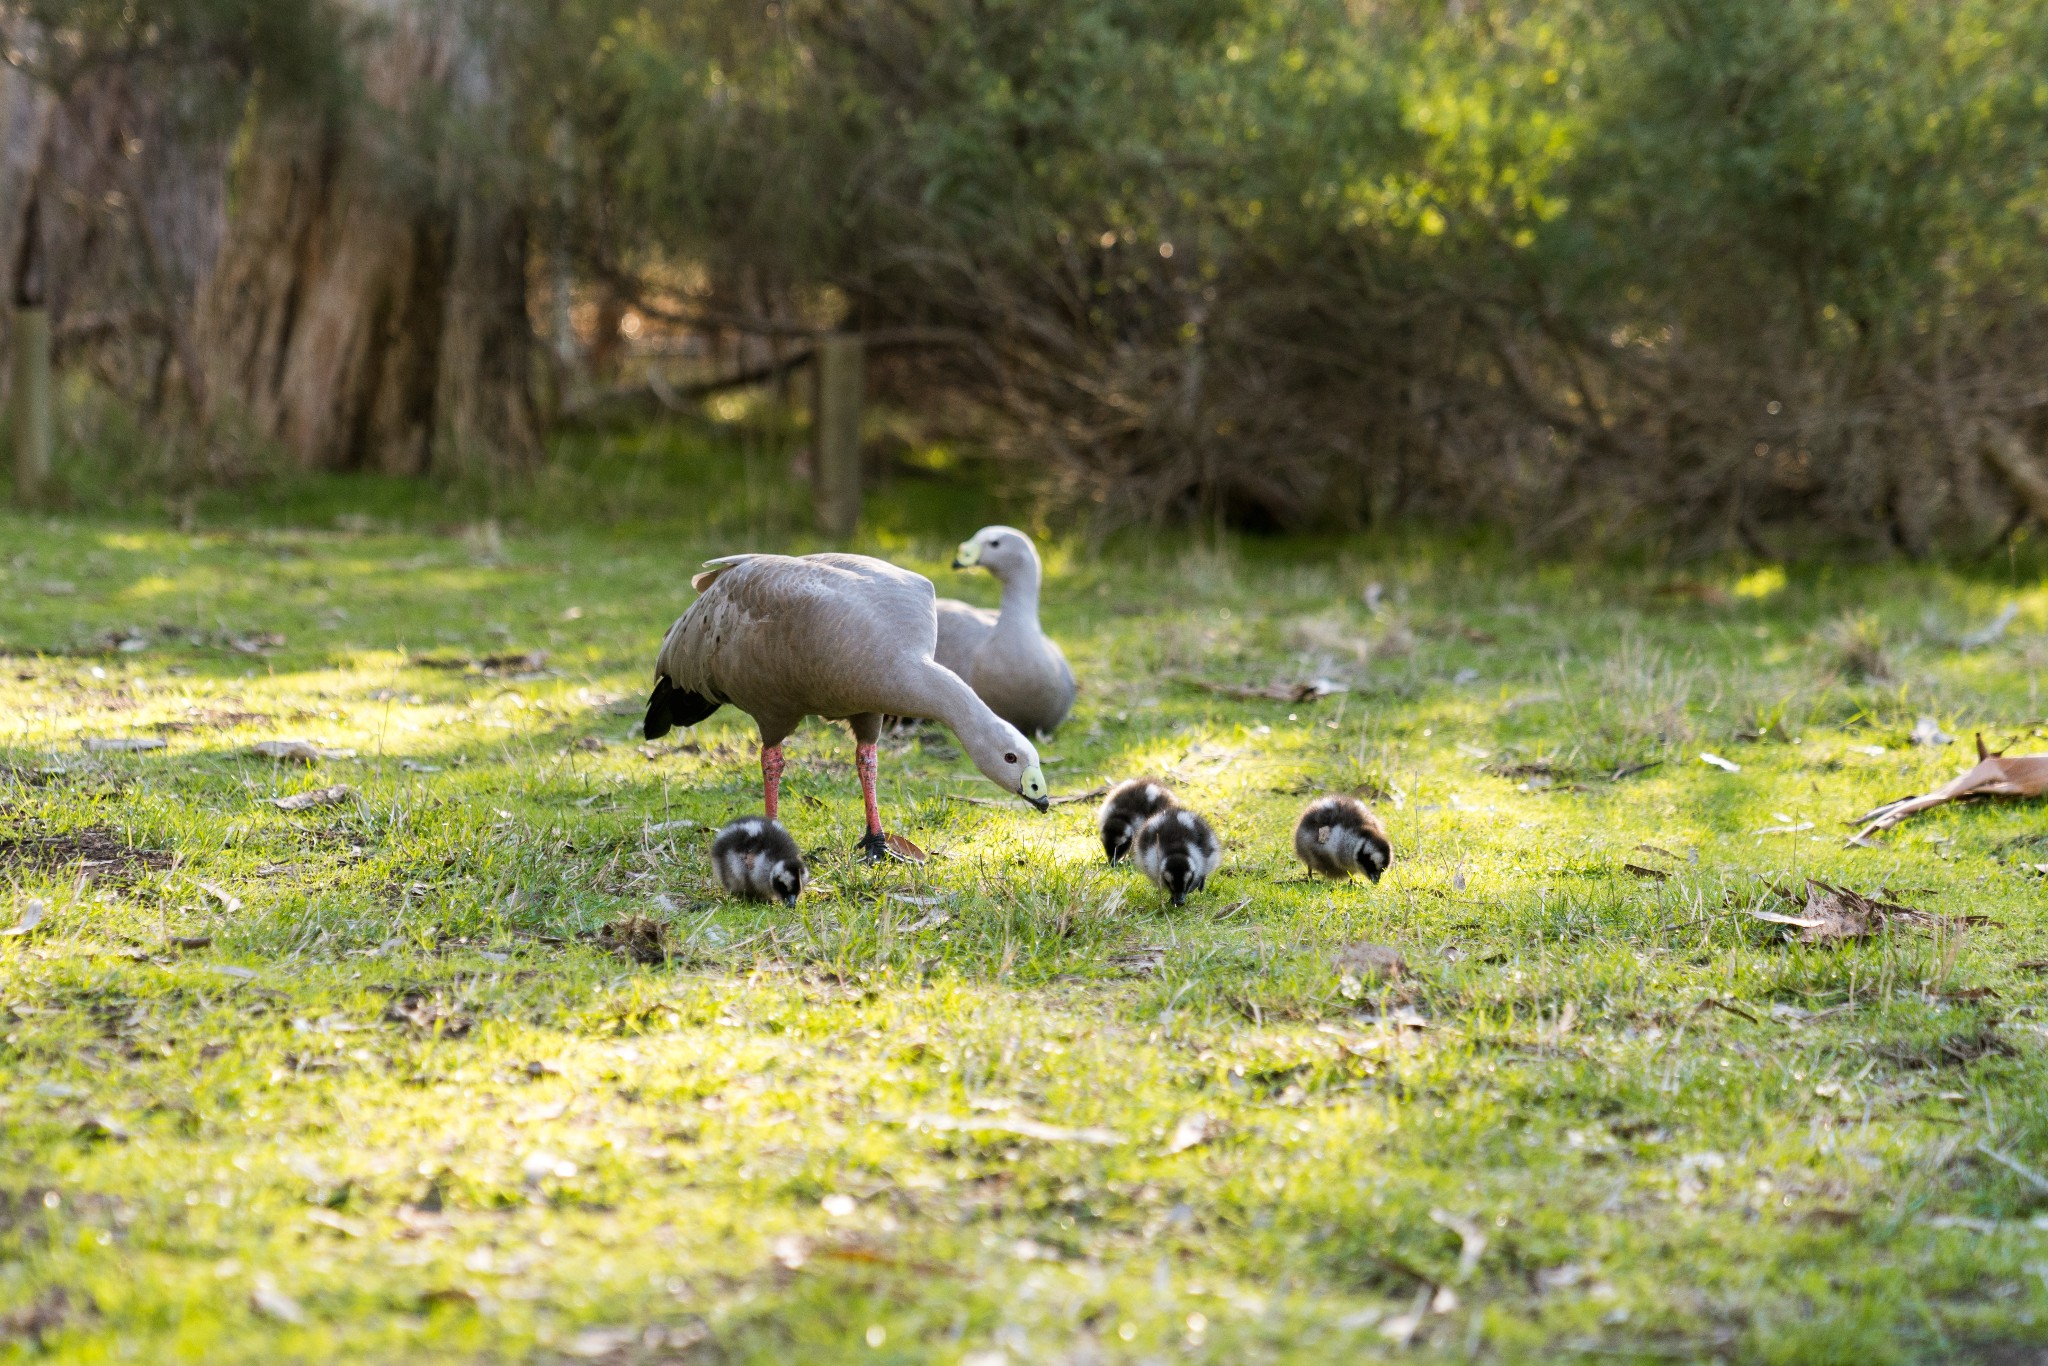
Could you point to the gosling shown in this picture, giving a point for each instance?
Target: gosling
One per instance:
(1178, 851)
(758, 861)
(1339, 835)
(1129, 805)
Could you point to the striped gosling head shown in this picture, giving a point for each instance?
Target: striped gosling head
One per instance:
(1339, 835)
(758, 861)
(1129, 805)
(1178, 851)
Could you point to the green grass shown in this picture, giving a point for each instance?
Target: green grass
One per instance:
(403, 1104)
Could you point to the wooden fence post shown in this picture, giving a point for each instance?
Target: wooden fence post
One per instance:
(835, 435)
(31, 404)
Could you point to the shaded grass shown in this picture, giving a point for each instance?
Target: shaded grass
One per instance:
(359, 1082)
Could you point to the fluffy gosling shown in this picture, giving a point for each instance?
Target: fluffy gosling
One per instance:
(1129, 805)
(1339, 835)
(1177, 850)
(758, 861)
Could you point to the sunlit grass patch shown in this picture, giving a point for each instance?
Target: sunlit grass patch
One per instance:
(381, 1079)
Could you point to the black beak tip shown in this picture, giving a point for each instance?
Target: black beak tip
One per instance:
(789, 898)
(1043, 804)
(957, 564)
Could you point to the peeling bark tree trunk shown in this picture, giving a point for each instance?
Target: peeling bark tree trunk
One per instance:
(369, 307)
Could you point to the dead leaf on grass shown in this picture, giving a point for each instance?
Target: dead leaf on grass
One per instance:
(229, 902)
(132, 744)
(903, 850)
(298, 751)
(1014, 1124)
(1638, 870)
(1309, 691)
(1996, 775)
(271, 1302)
(1832, 914)
(1192, 1131)
(31, 916)
(319, 796)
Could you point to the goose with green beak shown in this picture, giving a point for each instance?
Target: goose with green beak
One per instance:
(1005, 657)
(841, 637)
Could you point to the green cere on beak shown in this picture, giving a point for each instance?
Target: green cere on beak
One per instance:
(1032, 789)
(968, 555)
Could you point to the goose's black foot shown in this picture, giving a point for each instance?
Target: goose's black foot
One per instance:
(874, 848)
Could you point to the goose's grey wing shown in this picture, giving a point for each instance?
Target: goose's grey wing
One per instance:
(963, 629)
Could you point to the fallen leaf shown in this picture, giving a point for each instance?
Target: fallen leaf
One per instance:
(131, 744)
(1725, 765)
(1309, 691)
(299, 751)
(903, 850)
(274, 1303)
(1471, 1240)
(31, 916)
(1995, 775)
(601, 1342)
(414, 766)
(1927, 732)
(1791, 829)
(1192, 1131)
(1832, 914)
(1991, 630)
(230, 970)
(1640, 871)
(1099, 790)
(339, 1223)
(229, 902)
(1021, 1127)
(319, 796)
(102, 1127)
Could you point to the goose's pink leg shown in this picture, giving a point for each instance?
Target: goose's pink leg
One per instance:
(866, 764)
(771, 777)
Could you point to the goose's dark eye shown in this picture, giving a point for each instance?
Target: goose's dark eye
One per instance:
(1009, 758)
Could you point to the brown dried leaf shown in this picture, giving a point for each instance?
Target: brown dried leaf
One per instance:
(639, 937)
(903, 850)
(1370, 963)
(1996, 775)
(1310, 690)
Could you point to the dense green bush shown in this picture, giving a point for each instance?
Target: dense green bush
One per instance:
(1712, 265)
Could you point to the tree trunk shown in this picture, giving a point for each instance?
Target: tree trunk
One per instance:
(369, 307)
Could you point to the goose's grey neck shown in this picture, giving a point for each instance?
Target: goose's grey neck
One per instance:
(1020, 596)
(941, 696)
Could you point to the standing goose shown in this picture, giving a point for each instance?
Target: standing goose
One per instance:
(842, 637)
(1004, 656)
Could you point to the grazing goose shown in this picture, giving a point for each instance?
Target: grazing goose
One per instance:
(1129, 805)
(842, 637)
(758, 861)
(1178, 851)
(1004, 656)
(1339, 835)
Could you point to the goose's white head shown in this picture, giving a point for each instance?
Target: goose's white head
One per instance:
(1001, 550)
(1008, 760)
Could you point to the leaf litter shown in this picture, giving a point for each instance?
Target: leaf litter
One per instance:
(1829, 914)
(1995, 775)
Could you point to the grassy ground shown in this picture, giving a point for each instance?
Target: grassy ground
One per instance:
(369, 1081)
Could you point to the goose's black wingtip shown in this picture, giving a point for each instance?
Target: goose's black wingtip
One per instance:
(671, 706)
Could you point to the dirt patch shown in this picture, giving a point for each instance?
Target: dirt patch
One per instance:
(96, 852)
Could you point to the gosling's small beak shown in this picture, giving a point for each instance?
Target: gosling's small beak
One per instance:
(1372, 873)
(789, 898)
